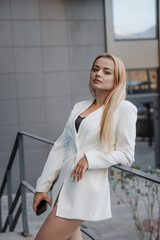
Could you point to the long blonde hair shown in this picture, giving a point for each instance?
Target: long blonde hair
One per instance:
(113, 99)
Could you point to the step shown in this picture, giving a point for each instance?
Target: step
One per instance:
(18, 236)
(14, 236)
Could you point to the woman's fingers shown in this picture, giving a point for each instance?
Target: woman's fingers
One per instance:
(79, 169)
(80, 175)
(35, 204)
(77, 173)
(83, 170)
(38, 197)
(74, 171)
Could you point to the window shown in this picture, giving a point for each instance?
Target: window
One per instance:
(134, 19)
(142, 81)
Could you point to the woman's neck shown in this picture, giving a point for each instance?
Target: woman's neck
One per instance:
(100, 100)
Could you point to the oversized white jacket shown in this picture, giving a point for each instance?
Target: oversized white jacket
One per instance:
(88, 199)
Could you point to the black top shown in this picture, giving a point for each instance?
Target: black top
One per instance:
(78, 122)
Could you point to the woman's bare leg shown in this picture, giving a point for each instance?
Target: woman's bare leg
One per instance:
(76, 235)
(57, 228)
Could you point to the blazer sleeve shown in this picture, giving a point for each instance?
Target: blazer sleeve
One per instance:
(125, 142)
(54, 161)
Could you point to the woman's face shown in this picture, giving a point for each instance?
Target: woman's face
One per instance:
(102, 74)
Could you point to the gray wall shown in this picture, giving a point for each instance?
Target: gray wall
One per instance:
(46, 50)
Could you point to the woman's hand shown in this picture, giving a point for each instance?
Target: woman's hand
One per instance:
(79, 169)
(38, 197)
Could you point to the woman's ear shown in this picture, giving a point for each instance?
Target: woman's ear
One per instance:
(115, 83)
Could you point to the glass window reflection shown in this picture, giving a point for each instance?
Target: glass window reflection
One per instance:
(134, 19)
(142, 81)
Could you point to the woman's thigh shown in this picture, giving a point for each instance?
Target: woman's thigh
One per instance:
(57, 228)
(76, 235)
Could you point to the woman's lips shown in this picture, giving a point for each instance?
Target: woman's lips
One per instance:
(97, 81)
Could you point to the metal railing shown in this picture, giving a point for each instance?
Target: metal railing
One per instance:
(20, 206)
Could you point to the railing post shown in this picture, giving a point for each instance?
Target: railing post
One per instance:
(0, 216)
(23, 190)
(9, 193)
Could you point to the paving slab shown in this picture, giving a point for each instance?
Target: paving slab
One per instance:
(14, 236)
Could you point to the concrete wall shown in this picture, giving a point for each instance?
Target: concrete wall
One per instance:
(46, 50)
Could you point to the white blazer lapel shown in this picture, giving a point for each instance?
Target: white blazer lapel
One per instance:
(79, 110)
(89, 119)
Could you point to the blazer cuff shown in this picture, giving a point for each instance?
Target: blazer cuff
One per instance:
(43, 186)
(41, 190)
(100, 160)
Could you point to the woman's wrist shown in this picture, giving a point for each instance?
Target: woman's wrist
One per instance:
(86, 161)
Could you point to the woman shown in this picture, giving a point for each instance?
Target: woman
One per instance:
(98, 134)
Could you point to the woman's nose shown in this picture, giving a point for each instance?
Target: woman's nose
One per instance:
(98, 73)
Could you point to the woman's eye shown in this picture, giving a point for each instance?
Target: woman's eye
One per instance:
(107, 72)
(94, 69)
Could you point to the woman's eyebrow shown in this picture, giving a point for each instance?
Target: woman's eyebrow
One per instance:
(104, 67)
(95, 66)
(108, 68)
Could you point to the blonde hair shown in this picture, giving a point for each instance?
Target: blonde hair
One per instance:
(113, 99)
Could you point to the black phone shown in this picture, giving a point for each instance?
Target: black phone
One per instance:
(42, 207)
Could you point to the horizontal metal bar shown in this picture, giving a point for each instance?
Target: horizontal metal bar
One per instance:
(11, 160)
(37, 137)
(138, 173)
(28, 186)
(89, 233)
